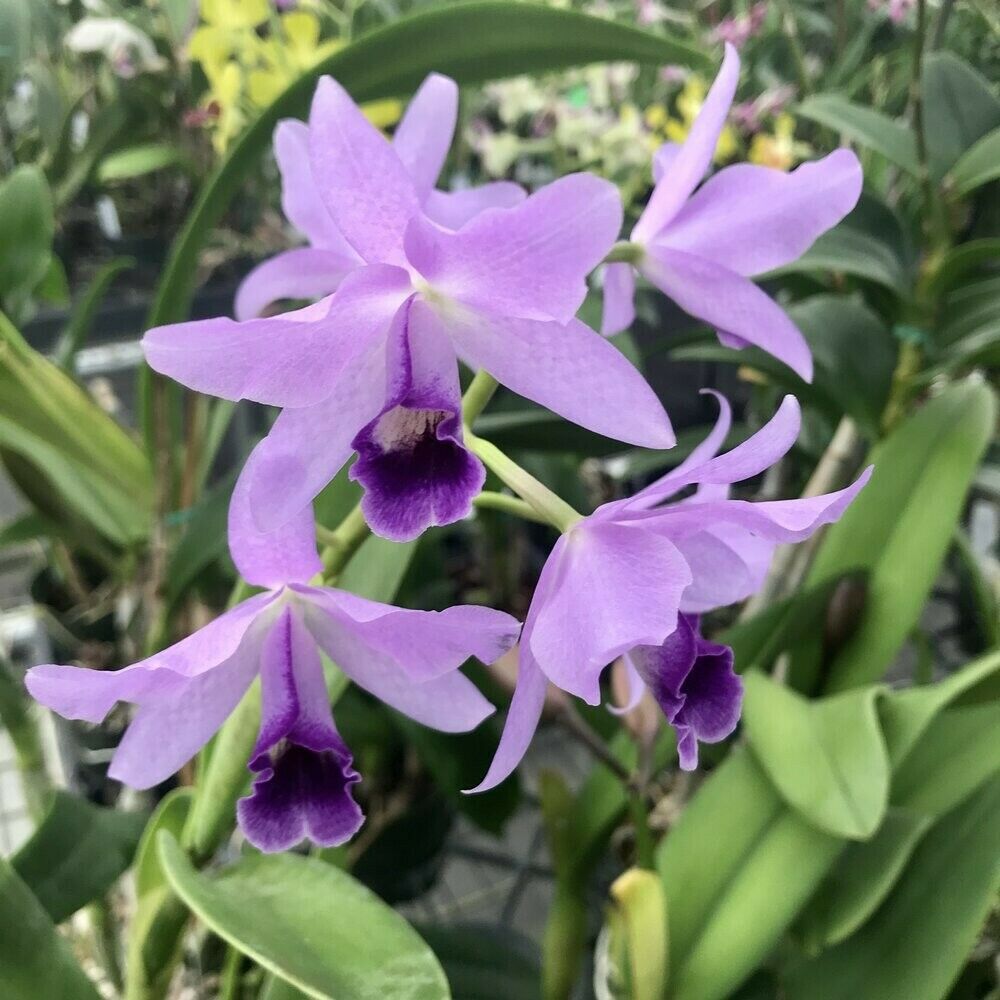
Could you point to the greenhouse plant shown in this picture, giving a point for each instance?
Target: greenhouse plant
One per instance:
(499, 500)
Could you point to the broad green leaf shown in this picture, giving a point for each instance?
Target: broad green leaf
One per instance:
(900, 526)
(26, 229)
(310, 923)
(962, 259)
(485, 962)
(864, 125)
(915, 944)
(846, 249)
(827, 758)
(958, 752)
(170, 814)
(35, 959)
(535, 429)
(959, 108)
(639, 918)
(377, 568)
(26, 528)
(906, 714)
(979, 165)
(77, 853)
(78, 467)
(757, 906)
(136, 161)
(714, 837)
(863, 876)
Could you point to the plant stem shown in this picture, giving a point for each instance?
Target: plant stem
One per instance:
(343, 542)
(644, 853)
(18, 718)
(624, 252)
(570, 720)
(488, 500)
(552, 508)
(479, 393)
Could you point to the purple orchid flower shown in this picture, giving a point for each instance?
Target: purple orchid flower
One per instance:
(303, 770)
(374, 367)
(627, 578)
(421, 141)
(700, 248)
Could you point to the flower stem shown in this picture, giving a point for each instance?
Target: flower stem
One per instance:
(343, 542)
(553, 509)
(479, 393)
(644, 845)
(624, 252)
(795, 47)
(488, 500)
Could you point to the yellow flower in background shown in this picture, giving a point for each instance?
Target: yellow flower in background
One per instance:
(247, 67)
(779, 149)
(689, 103)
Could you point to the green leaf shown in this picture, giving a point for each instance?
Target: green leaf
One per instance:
(15, 40)
(959, 108)
(846, 249)
(471, 42)
(853, 353)
(959, 751)
(170, 814)
(204, 540)
(35, 960)
(71, 460)
(77, 853)
(377, 569)
(977, 166)
(914, 946)
(137, 161)
(487, 962)
(26, 229)
(900, 526)
(962, 259)
(864, 125)
(311, 924)
(827, 758)
(82, 319)
(863, 876)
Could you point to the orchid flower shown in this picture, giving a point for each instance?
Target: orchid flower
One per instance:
(374, 367)
(628, 579)
(303, 770)
(701, 247)
(421, 140)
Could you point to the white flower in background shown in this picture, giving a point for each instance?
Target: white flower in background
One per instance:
(129, 50)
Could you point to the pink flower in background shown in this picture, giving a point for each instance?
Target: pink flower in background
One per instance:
(627, 578)
(701, 245)
(303, 770)
(738, 29)
(896, 10)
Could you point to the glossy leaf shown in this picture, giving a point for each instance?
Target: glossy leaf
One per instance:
(916, 943)
(900, 526)
(26, 230)
(35, 959)
(827, 758)
(77, 853)
(870, 128)
(863, 876)
(978, 165)
(73, 462)
(137, 161)
(310, 923)
(170, 814)
(959, 108)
